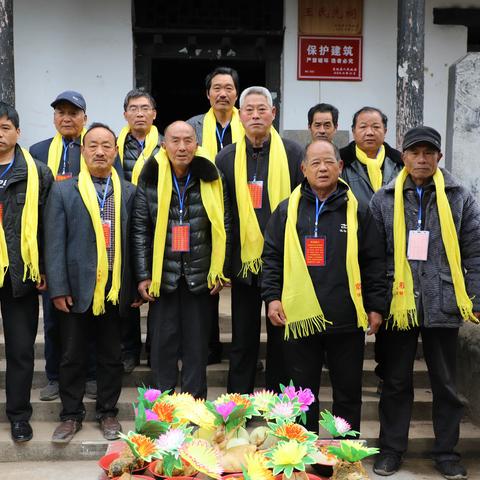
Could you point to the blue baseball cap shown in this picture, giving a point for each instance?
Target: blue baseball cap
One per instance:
(75, 98)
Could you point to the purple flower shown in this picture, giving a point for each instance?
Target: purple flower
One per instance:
(290, 392)
(151, 394)
(150, 415)
(225, 409)
(306, 398)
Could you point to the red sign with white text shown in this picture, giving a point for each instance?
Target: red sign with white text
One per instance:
(329, 58)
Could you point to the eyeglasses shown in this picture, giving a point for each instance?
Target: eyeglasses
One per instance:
(139, 108)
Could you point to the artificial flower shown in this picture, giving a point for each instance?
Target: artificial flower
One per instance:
(256, 467)
(291, 431)
(171, 441)
(152, 394)
(149, 415)
(352, 450)
(262, 399)
(140, 445)
(225, 409)
(164, 411)
(203, 457)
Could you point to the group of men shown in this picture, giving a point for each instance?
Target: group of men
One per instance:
(101, 224)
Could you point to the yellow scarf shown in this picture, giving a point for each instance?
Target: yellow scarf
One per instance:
(209, 132)
(251, 238)
(402, 309)
(212, 199)
(55, 153)
(299, 300)
(374, 166)
(151, 141)
(29, 229)
(89, 197)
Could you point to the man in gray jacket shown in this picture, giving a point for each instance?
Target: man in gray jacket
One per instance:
(431, 226)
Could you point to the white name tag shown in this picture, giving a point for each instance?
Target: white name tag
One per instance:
(418, 245)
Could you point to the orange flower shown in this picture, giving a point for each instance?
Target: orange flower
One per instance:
(292, 431)
(143, 445)
(237, 399)
(164, 411)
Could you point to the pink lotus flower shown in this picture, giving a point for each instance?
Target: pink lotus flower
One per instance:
(149, 415)
(152, 394)
(282, 410)
(225, 409)
(341, 425)
(306, 398)
(290, 392)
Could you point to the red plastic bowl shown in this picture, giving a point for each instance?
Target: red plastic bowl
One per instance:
(106, 460)
(151, 469)
(142, 477)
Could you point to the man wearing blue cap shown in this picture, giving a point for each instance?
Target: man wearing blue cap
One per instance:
(431, 229)
(62, 154)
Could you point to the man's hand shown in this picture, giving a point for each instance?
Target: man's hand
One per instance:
(375, 319)
(42, 284)
(138, 302)
(216, 289)
(143, 287)
(276, 313)
(63, 303)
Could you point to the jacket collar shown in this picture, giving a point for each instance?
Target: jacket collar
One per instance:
(332, 200)
(348, 154)
(19, 171)
(201, 168)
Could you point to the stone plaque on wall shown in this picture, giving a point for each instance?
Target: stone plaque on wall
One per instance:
(327, 17)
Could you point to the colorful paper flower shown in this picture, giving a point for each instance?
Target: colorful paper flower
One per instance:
(341, 425)
(256, 467)
(150, 415)
(352, 451)
(203, 457)
(291, 431)
(225, 409)
(164, 411)
(140, 445)
(152, 394)
(262, 399)
(304, 396)
(171, 441)
(336, 426)
(289, 456)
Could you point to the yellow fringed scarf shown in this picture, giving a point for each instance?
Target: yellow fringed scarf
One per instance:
(209, 132)
(151, 141)
(29, 228)
(374, 166)
(251, 238)
(299, 300)
(55, 153)
(212, 199)
(402, 309)
(89, 197)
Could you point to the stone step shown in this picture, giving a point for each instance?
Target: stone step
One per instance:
(89, 444)
(225, 339)
(217, 375)
(50, 411)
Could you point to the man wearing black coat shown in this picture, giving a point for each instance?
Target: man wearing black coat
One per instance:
(257, 114)
(19, 297)
(322, 218)
(177, 315)
(73, 266)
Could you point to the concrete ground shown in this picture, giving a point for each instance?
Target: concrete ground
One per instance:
(413, 468)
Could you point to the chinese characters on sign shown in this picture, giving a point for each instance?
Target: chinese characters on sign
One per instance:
(329, 58)
(327, 17)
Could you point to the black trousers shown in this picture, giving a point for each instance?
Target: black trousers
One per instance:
(214, 345)
(20, 322)
(131, 334)
(396, 401)
(246, 326)
(180, 324)
(344, 352)
(75, 331)
(51, 334)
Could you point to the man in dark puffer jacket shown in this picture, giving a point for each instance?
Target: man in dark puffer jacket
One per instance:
(178, 316)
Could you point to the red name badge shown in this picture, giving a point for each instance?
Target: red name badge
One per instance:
(256, 192)
(1, 213)
(181, 238)
(315, 251)
(107, 229)
(63, 176)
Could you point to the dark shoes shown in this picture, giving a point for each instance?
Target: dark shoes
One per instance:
(66, 430)
(387, 464)
(21, 431)
(110, 427)
(452, 469)
(129, 364)
(49, 391)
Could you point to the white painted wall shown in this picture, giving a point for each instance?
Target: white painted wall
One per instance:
(443, 46)
(71, 45)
